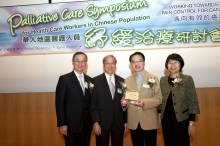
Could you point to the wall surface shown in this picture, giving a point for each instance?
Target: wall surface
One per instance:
(39, 73)
(29, 119)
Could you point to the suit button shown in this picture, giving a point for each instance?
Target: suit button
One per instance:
(173, 94)
(174, 103)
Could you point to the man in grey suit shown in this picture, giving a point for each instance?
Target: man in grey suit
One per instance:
(73, 99)
(106, 111)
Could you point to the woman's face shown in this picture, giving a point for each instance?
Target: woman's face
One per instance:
(174, 66)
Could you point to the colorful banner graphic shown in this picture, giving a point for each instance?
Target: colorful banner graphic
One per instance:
(109, 25)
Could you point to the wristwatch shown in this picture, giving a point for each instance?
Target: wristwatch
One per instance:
(191, 124)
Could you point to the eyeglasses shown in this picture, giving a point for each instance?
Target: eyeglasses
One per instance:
(139, 61)
(80, 62)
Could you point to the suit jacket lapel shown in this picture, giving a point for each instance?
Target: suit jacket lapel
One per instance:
(75, 80)
(86, 81)
(104, 82)
(117, 84)
(133, 83)
(146, 75)
(176, 89)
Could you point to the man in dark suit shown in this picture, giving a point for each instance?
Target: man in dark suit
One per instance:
(107, 114)
(73, 100)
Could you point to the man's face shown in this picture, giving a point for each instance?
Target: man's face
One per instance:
(79, 63)
(137, 63)
(109, 65)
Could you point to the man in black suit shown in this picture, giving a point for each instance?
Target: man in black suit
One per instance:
(107, 114)
(73, 100)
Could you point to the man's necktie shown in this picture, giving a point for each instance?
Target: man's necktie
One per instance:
(81, 83)
(111, 87)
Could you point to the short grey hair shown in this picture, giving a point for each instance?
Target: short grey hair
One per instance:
(107, 56)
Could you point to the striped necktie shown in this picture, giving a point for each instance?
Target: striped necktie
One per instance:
(81, 83)
(111, 87)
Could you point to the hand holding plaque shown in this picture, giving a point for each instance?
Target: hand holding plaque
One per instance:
(132, 96)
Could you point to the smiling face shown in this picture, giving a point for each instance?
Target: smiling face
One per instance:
(79, 63)
(109, 65)
(137, 63)
(174, 67)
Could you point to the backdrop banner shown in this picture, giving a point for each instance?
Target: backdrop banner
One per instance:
(108, 25)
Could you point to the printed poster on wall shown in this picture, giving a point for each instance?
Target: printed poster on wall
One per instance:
(108, 25)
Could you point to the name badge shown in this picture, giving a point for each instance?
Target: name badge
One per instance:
(119, 91)
(86, 85)
(145, 85)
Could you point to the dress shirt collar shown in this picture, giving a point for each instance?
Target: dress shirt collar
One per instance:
(112, 77)
(140, 75)
(77, 75)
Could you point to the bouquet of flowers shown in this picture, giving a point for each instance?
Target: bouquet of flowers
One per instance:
(177, 82)
(123, 86)
(91, 86)
(151, 81)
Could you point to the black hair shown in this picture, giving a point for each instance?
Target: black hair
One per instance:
(175, 57)
(79, 53)
(137, 53)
